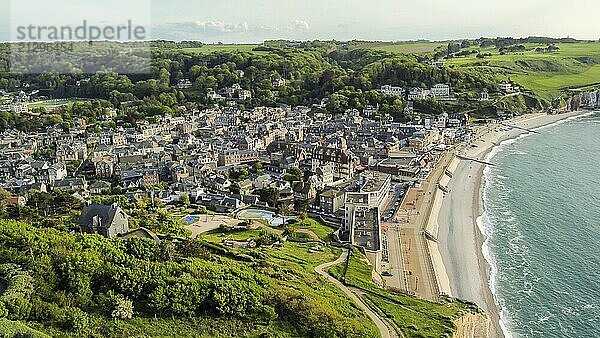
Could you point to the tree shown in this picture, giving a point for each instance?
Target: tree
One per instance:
(123, 309)
(293, 174)
(269, 195)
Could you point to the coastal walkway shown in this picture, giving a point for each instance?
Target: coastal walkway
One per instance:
(384, 328)
(418, 276)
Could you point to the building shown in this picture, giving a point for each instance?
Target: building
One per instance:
(505, 87)
(417, 93)
(107, 220)
(370, 110)
(235, 156)
(364, 199)
(184, 84)
(332, 201)
(342, 161)
(392, 90)
(440, 91)
(484, 96)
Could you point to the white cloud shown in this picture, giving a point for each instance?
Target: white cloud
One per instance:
(301, 25)
(222, 27)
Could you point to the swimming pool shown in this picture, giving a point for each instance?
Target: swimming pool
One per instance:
(257, 214)
(190, 219)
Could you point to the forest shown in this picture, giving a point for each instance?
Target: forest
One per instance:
(348, 78)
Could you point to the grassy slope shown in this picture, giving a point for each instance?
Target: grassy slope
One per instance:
(11, 329)
(299, 262)
(546, 75)
(413, 316)
(290, 267)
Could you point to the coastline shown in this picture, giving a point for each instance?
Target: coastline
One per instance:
(460, 263)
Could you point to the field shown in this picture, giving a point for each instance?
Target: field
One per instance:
(208, 49)
(575, 65)
(52, 103)
(400, 47)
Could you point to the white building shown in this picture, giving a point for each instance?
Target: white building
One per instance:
(19, 107)
(484, 96)
(440, 91)
(505, 87)
(184, 84)
(244, 95)
(392, 90)
(418, 93)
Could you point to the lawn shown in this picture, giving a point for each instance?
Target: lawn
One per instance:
(322, 231)
(400, 47)
(52, 103)
(208, 49)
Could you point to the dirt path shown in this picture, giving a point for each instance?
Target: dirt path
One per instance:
(384, 330)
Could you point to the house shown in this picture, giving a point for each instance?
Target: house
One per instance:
(16, 200)
(325, 174)
(107, 220)
(305, 190)
(184, 84)
(245, 186)
(505, 87)
(440, 91)
(370, 110)
(235, 156)
(70, 184)
(278, 82)
(417, 93)
(343, 161)
(331, 201)
(392, 90)
(484, 96)
(244, 95)
(98, 187)
(104, 166)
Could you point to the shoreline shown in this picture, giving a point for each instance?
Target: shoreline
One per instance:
(460, 262)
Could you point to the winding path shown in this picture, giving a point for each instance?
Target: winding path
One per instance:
(384, 330)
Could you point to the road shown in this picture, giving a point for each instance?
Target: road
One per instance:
(384, 330)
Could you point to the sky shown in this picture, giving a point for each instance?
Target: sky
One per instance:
(250, 21)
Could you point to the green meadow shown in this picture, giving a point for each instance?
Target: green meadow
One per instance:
(575, 65)
(414, 47)
(52, 104)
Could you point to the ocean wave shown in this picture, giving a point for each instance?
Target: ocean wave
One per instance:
(568, 119)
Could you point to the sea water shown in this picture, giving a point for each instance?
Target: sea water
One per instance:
(542, 220)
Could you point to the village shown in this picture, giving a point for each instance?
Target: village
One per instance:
(349, 171)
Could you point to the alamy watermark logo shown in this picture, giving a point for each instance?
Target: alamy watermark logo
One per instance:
(79, 37)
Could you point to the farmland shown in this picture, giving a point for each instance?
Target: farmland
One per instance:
(412, 47)
(574, 65)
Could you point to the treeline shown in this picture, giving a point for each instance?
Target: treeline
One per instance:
(313, 70)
